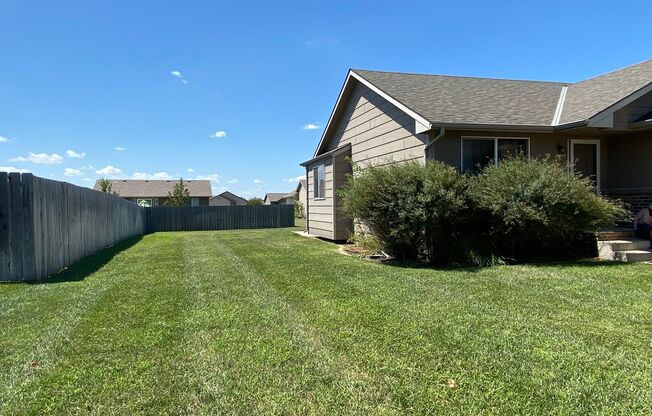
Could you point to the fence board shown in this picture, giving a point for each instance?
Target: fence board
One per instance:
(207, 218)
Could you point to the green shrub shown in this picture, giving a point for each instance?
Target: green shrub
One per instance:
(298, 209)
(408, 207)
(532, 207)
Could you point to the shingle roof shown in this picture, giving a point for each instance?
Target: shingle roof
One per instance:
(443, 99)
(231, 197)
(587, 98)
(466, 100)
(277, 196)
(130, 188)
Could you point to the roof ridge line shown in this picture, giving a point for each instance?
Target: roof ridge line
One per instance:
(462, 76)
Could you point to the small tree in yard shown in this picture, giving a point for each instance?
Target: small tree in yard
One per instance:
(106, 186)
(179, 196)
(255, 201)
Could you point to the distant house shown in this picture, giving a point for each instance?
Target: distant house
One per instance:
(273, 198)
(152, 193)
(301, 193)
(227, 198)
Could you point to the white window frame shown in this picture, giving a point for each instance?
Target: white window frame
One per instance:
(145, 199)
(495, 139)
(318, 193)
(571, 160)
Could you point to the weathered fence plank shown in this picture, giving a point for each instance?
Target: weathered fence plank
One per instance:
(5, 217)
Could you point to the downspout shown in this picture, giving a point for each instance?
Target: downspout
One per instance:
(442, 133)
(307, 202)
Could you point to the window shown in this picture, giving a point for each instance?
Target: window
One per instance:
(477, 152)
(144, 202)
(194, 202)
(319, 182)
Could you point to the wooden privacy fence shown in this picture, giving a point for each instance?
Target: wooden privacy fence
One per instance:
(47, 225)
(219, 218)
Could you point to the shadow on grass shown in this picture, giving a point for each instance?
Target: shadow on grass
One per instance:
(88, 265)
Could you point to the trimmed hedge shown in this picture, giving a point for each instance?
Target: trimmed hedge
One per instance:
(519, 209)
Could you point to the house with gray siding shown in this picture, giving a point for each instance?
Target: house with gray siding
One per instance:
(153, 193)
(603, 124)
(226, 199)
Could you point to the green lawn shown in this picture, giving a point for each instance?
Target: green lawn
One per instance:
(267, 322)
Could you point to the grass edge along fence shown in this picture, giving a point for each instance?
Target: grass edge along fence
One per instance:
(47, 225)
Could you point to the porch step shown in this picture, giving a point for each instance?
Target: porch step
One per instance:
(616, 233)
(633, 256)
(632, 250)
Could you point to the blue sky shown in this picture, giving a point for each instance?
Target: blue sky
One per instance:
(239, 92)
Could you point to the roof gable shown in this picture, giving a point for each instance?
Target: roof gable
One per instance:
(442, 99)
(588, 98)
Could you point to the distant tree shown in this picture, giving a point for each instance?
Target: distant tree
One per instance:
(106, 186)
(255, 201)
(179, 196)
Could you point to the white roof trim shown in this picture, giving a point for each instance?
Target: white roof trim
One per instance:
(560, 107)
(330, 119)
(606, 115)
(418, 118)
(389, 98)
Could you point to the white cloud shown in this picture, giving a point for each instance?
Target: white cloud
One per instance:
(258, 181)
(295, 179)
(191, 170)
(213, 177)
(109, 170)
(177, 74)
(157, 175)
(232, 181)
(39, 158)
(311, 126)
(72, 172)
(220, 134)
(87, 167)
(4, 139)
(88, 179)
(12, 169)
(120, 149)
(75, 155)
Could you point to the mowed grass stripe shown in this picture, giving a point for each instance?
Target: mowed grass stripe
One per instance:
(255, 334)
(123, 355)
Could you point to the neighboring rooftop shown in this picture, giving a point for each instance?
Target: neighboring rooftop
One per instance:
(277, 196)
(231, 197)
(131, 188)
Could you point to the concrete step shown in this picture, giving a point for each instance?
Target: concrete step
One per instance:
(624, 245)
(616, 233)
(627, 250)
(633, 256)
